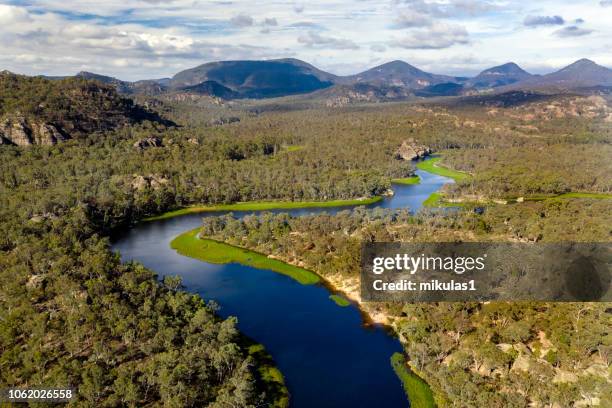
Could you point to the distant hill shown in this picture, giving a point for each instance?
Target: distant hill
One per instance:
(398, 73)
(286, 77)
(583, 73)
(443, 89)
(211, 88)
(145, 87)
(35, 110)
(257, 79)
(500, 75)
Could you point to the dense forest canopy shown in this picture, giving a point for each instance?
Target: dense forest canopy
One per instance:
(72, 313)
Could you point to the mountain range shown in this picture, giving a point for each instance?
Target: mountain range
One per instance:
(282, 77)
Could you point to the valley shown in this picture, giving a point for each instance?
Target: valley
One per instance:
(152, 240)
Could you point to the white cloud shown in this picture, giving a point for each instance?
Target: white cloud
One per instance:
(137, 39)
(314, 39)
(13, 14)
(242, 20)
(437, 36)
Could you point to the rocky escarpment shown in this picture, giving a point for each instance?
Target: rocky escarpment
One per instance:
(411, 150)
(21, 132)
(38, 111)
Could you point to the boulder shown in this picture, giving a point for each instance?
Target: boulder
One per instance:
(411, 150)
(148, 142)
(522, 363)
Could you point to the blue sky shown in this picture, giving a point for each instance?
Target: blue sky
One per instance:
(137, 39)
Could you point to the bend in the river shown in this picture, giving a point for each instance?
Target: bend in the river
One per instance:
(328, 357)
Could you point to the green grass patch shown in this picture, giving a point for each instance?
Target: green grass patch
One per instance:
(340, 300)
(294, 148)
(264, 205)
(212, 251)
(416, 389)
(407, 180)
(599, 196)
(271, 379)
(437, 200)
(542, 197)
(433, 166)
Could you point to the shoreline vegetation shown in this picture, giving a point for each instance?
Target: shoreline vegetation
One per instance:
(432, 166)
(340, 300)
(407, 180)
(209, 250)
(416, 388)
(264, 205)
(271, 378)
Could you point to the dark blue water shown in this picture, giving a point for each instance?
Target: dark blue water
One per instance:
(328, 357)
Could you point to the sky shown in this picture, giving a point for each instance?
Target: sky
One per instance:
(143, 39)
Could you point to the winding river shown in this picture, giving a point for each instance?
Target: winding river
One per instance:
(328, 357)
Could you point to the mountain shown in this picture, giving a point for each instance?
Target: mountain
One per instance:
(211, 88)
(257, 79)
(581, 74)
(36, 110)
(500, 75)
(144, 87)
(398, 73)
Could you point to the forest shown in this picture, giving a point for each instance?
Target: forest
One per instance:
(72, 313)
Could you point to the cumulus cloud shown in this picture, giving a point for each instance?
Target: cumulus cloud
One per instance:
(241, 20)
(437, 36)
(316, 40)
(13, 14)
(270, 22)
(534, 21)
(409, 18)
(448, 8)
(572, 31)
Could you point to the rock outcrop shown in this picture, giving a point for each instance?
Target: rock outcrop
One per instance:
(19, 131)
(411, 150)
(148, 142)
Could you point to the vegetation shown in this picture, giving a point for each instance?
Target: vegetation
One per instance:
(470, 353)
(75, 106)
(340, 300)
(264, 205)
(72, 313)
(433, 166)
(207, 250)
(417, 390)
(273, 382)
(406, 180)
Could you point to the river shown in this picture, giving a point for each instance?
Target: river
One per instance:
(327, 355)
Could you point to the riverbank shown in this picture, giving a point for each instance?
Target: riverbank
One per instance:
(406, 180)
(416, 388)
(270, 379)
(208, 250)
(433, 166)
(263, 206)
(344, 292)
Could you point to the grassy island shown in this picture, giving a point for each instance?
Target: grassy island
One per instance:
(212, 251)
(340, 300)
(264, 205)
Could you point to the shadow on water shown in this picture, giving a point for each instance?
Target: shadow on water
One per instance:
(328, 357)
